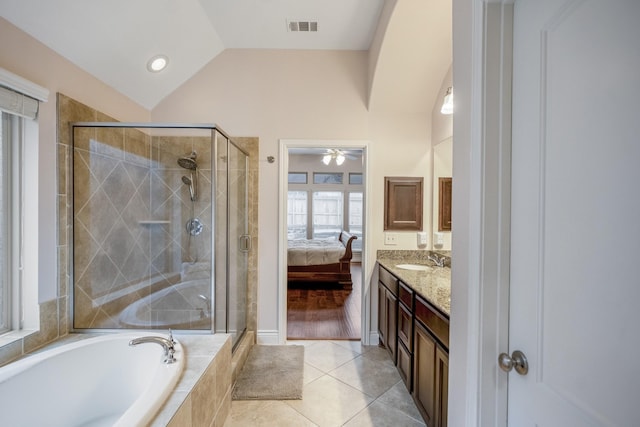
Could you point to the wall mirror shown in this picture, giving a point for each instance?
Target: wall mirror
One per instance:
(442, 186)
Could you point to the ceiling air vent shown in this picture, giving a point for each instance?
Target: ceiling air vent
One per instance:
(306, 26)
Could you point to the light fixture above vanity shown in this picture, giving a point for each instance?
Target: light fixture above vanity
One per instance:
(447, 105)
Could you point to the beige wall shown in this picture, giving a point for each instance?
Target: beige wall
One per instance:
(28, 58)
(302, 95)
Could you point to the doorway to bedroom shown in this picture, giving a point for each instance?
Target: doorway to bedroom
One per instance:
(325, 224)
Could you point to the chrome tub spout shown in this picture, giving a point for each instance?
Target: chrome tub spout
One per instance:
(166, 343)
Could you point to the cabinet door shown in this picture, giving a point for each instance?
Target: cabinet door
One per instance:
(405, 327)
(392, 324)
(424, 353)
(382, 314)
(404, 365)
(403, 203)
(442, 387)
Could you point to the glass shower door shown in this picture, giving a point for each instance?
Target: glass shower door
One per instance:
(232, 243)
(239, 242)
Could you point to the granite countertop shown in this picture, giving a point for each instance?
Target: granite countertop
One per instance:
(434, 284)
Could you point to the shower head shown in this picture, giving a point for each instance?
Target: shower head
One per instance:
(192, 188)
(188, 162)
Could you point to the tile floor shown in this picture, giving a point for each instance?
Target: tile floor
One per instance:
(345, 384)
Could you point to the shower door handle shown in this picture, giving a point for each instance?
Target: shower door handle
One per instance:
(245, 243)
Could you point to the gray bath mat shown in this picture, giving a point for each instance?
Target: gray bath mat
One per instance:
(271, 372)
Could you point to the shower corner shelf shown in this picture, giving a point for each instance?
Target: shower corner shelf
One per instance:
(153, 222)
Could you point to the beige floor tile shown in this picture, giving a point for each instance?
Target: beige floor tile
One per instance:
(305, 343)
(367, 375)
(311, 373)
(346, 396)
(351, 345)
(326, 356)
(398, 397)
(329, 402)
(265, 413)
(377, 353)
(380, 415)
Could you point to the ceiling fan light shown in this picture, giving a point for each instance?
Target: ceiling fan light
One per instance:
(326, 159)
(339, 159)
(447, 105)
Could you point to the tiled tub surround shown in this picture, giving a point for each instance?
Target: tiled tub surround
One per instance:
(202, 396)
(434, 284)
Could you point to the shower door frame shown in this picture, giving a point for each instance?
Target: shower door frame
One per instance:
(230, 142)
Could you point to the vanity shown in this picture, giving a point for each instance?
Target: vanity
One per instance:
(414, 298)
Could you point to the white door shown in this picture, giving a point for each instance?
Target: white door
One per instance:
(575, 267)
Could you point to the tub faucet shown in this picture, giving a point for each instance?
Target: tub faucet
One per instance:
(168, 345)
(439, 261)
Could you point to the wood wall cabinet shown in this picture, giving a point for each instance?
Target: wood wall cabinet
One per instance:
(403, 203)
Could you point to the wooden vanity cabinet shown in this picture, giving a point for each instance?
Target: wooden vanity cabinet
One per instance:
(388, 311)
(430, 363)
(417, 337)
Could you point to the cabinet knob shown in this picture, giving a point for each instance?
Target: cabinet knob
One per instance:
(517, 360)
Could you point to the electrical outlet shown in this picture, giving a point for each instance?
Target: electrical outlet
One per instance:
(390, 239)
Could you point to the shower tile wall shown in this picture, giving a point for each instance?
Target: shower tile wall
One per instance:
(130, 207)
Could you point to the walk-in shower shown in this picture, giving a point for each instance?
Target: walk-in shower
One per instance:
(160, 228)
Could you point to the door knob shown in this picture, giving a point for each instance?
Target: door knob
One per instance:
(517, 360)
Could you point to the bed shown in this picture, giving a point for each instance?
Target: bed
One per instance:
(321, 260)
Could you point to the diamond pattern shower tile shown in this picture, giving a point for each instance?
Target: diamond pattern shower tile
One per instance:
(118, 187)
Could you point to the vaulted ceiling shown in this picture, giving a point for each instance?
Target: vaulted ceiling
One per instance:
(113, 40)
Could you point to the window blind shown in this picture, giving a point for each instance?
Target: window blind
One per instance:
(17, 103)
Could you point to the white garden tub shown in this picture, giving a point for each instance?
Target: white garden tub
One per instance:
(99, 381)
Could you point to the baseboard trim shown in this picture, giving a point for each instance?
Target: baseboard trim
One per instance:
(374, 338)
(268, 337)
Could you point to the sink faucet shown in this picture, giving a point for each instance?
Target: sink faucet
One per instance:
(168, 345)
(438, 261)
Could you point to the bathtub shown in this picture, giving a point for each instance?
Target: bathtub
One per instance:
(94, 382)
(185, 305)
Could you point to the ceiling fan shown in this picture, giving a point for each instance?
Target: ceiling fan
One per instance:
(338, 155)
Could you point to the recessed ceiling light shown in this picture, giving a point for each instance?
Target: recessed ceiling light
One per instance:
(157, 63)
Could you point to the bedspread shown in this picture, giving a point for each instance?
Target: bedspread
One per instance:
(314, 252)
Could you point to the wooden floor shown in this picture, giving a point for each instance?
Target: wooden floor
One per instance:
(324, 311)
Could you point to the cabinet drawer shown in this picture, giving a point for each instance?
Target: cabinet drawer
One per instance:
(388, 280)
(432, 320)
(405, 295)
(405, 327)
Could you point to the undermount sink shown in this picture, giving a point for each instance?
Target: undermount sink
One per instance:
(415, 267)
